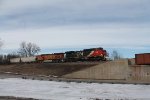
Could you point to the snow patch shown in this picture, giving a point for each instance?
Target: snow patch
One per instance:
(70, 90)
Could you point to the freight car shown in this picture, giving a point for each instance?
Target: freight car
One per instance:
(23, 60)
(93, 54)
(142, 59)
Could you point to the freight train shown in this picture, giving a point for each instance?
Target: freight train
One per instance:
(92, 54)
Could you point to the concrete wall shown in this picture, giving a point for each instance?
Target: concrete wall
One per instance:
(139, 73)
(120, 70)
(112, 70)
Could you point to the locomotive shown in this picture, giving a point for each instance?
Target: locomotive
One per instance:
(92, 54)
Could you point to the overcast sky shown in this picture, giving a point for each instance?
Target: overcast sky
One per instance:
(51, 24)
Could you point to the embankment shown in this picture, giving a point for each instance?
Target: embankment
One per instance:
(56, 69)
(119, 71)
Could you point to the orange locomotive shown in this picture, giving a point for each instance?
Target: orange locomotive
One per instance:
(56, 57)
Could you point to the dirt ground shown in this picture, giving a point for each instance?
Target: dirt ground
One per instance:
(15, 98)
(56, 69)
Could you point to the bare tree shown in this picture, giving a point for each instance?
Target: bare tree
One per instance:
(115, 55)
(1, 56)
(28, 49)
(13, 55)
(1, 43)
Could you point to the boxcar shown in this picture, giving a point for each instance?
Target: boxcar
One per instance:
(142, 59)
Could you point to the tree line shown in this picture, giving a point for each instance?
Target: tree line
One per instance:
(26, 50)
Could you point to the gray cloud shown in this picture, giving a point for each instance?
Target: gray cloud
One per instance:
(59, 12)
(120, 36)
(123, 23)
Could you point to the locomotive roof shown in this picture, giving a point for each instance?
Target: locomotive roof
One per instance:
(72, 51)
(52, 53)
(94, 48)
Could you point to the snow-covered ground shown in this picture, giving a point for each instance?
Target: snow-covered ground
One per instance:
(71, 91)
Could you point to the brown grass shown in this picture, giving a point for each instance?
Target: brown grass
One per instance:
(57, 69)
